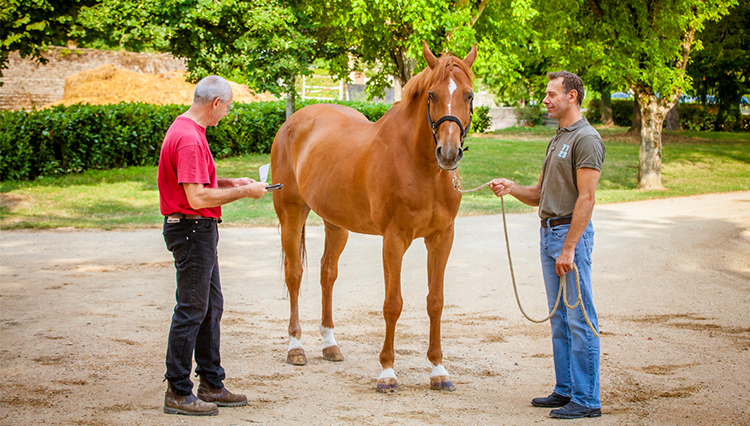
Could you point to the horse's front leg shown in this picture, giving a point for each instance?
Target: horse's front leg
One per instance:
(438, 249)
(336, 238)
(394, 247)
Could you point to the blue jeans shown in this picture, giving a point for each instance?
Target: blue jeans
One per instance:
(200, 304)
(574, 345)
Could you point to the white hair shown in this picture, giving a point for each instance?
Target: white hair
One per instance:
(210, 88)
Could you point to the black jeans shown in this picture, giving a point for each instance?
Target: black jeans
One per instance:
(200, 304)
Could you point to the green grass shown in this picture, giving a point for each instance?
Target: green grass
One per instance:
(693, 163)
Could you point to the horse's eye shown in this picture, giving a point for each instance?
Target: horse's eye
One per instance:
(469, 97)
(430, 96)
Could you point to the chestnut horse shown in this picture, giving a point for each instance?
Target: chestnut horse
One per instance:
(390, 178)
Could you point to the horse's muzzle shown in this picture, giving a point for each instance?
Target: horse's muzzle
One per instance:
(448, 158)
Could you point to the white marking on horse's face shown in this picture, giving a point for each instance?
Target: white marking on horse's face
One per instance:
(388, 373)
(294, 343)
(439, 370)
(451, 88)
(328, 339)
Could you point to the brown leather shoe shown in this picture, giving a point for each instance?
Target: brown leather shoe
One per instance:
(188, 405)
(221, 397)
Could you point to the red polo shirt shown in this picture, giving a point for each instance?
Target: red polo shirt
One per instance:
(185, 158)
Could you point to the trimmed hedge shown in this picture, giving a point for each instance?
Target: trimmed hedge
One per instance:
(62, 140)
(81, 137)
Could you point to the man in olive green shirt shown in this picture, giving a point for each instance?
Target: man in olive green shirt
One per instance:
(565, 195)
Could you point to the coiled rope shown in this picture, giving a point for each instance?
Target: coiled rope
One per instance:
(561, 292)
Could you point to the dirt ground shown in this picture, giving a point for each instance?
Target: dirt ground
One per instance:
(85, 317)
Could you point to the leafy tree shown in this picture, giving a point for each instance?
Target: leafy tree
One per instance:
(263, 43)
(30, 26)
(267, 44)
(722, 67)
(387, 35)
(645, 44)
(512, 55)
(128, 25)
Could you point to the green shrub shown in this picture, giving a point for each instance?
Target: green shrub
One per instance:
(744, 124)
(81, 137)
(481, 121)
(622, 112)
(248, 128)
(594, 111)
(696, 117)
(530, 116)
(16, 151)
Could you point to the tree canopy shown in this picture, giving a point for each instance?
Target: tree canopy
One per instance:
(29, 26)
(647, 45)
(722, 68)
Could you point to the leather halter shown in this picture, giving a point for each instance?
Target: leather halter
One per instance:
(434, 126)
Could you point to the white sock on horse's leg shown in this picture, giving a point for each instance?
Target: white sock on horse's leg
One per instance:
(387, 373)
(328, 339)
(294, 343)
(439, 370)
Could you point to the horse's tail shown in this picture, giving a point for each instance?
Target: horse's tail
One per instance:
(303, 248)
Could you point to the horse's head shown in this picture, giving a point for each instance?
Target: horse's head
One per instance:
(449, 104)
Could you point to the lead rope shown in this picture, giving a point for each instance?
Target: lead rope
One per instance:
(561, 292)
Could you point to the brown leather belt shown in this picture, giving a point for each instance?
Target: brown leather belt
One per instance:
(179, 216)
(551, 223)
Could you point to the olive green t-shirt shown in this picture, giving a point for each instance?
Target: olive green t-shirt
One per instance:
(576, 146)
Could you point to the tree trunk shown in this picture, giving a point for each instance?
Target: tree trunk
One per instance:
(652, 119)
(607, 119)
(405, 67)
(290, 98)
(653, 111)
(673, 118)
(635, 126)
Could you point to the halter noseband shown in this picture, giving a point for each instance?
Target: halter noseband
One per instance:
(434, 126)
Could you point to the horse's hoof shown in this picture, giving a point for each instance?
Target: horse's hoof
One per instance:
(441, 383)
(333, 353)
(387, 385)
(296, 357)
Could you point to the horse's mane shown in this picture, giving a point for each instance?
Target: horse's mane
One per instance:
(422, 81)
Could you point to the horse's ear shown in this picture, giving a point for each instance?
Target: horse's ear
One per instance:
(428, 56)
(469, 59)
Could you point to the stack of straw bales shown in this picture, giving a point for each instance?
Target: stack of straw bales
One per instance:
(108, 84)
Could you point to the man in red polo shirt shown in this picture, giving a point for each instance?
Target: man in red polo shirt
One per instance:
(190, 197)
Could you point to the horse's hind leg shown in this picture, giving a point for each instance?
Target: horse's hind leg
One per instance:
(292, 218)
(329, 270)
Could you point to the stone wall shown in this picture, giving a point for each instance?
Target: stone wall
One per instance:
(503, 117)
(27, 83)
